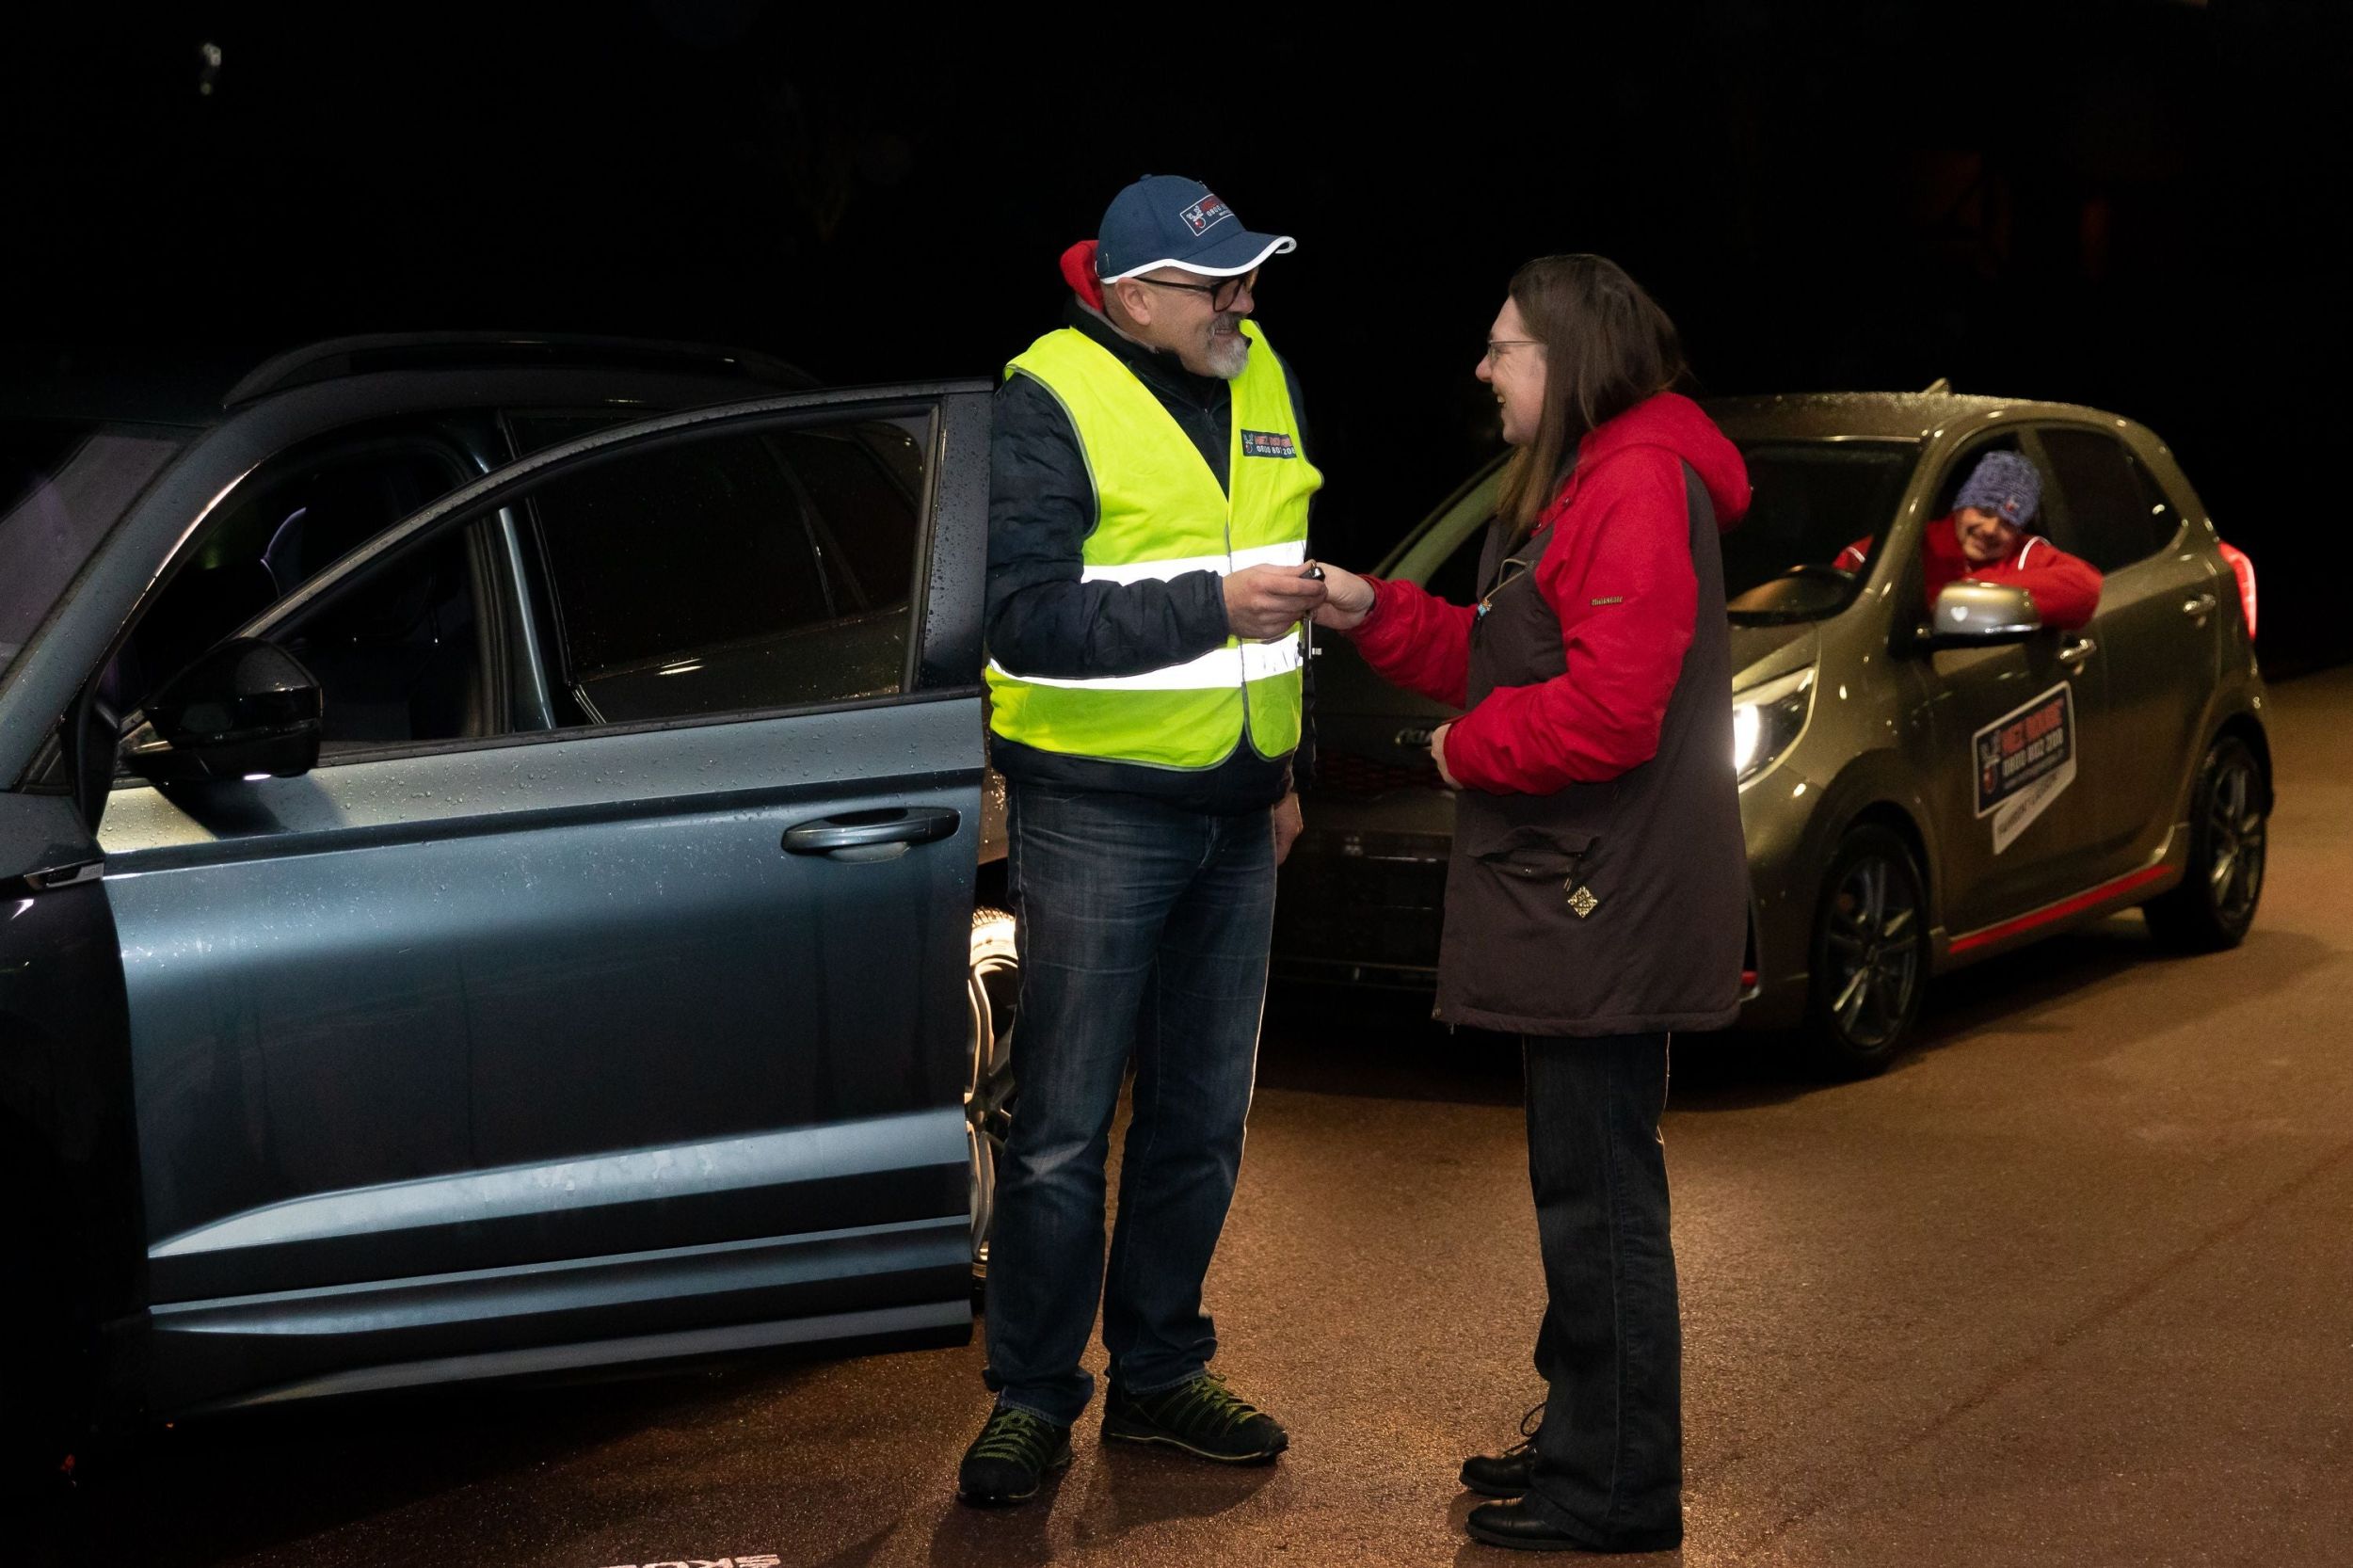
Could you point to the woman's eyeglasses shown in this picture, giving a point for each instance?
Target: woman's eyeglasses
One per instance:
(1498, 348)
(1222, 293)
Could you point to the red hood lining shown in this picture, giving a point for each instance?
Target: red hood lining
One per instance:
(1077, 270)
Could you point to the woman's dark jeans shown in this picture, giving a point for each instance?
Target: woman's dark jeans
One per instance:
(1608, 1463)
(1144, 932)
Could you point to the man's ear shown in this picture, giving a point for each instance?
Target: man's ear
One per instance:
(1134, 299)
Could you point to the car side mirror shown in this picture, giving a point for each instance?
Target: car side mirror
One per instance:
(247, 707)
(1979, 615)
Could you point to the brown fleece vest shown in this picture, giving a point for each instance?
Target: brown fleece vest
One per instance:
(1611, 908)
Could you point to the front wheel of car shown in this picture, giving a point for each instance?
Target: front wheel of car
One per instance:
(1869, 953)
(993, 987)
(2214, 904)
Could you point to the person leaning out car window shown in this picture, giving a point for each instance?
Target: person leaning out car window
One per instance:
(1994, 535)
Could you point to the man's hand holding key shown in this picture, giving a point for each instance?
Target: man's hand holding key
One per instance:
(1263, 602)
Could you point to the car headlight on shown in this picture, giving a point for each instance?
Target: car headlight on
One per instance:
(1766, 718)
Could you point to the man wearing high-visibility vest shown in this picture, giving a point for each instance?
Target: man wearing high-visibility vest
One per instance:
(1148, 579)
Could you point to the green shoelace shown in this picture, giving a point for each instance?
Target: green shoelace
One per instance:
(1205, 1406)
(1015, 1435)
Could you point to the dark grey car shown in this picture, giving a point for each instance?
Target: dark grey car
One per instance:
(1918, 789)
(488, 875)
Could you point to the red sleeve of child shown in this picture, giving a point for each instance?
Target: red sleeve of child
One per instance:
(2066, 589)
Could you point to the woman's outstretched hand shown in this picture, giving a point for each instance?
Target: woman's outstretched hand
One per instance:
(1347, 599)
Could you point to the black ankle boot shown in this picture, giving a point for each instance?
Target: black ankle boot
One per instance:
(1505, 1475)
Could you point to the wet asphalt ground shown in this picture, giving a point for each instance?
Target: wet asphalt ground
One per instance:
(2072, 1285)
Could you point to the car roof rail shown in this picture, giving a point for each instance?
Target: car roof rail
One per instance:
(1942, 384)
(382, 351)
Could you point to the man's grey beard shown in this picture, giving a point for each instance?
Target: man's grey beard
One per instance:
(1227, 357)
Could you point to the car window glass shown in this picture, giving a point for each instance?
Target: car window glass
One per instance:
(2106, 518)
(281, 527)
(863, 484)
(1810, 502)
(2161, 517)
(401, 656)
(734, 572)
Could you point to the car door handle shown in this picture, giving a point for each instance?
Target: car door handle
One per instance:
(2202, 605)
(2074, 651)
(853, 830)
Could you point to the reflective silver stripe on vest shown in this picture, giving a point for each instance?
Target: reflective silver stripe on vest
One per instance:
(1292, 554)
(1224, 668)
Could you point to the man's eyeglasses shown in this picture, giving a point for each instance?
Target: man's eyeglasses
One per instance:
(1498, 348)
(1222, 293)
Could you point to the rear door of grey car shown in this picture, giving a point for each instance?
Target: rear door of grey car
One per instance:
(2161, 603)
(467, 1054)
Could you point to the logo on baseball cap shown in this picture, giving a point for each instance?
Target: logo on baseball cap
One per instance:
(1167, 220)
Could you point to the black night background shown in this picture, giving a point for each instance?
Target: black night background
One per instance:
(2135, 204)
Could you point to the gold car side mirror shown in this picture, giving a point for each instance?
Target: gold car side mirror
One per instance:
(1979, 615)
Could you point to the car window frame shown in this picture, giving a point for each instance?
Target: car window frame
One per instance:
(923, 679)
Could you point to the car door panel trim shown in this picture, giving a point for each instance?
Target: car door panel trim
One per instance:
(553, 1214)
(770, 1292)
(629, 1176)
(2036, 918)
(899, 1327)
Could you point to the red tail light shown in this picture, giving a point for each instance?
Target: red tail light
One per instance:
(2245, 570)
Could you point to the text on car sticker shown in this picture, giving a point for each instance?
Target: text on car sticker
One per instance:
(2024, 760)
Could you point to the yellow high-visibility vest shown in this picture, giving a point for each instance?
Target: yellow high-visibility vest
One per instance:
(1160, 512)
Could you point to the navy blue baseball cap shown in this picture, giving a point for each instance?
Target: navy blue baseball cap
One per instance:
(1167, 220)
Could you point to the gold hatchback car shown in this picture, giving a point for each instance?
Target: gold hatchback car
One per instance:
(1922, 785)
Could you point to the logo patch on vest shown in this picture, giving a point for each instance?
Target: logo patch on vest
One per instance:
(1265, 443)
(1206, 215)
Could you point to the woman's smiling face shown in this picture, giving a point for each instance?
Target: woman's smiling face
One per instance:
(1513, 366)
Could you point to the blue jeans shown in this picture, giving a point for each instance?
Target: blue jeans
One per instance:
(1144, 932)
(1609, 1463)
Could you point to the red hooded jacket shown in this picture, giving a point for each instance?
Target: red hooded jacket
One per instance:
(1620, 580)
(2065, 588)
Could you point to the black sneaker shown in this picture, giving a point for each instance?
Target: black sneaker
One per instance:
(1008, 1461)
(1505, 1475)
(1202, 1416)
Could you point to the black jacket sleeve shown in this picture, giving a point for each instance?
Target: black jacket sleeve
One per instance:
(1041, 619)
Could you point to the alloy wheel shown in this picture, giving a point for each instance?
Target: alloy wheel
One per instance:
(1872, 941)
(2234, 833)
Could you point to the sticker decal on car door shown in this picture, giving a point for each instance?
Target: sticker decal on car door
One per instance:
(2024, 760)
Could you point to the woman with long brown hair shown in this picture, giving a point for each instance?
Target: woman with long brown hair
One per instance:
(1597, 899)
